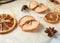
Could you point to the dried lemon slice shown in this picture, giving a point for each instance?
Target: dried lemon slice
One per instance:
(51, 17)
(7, 23)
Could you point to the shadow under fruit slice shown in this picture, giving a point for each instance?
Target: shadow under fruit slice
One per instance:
(7, 23)
(52, 17)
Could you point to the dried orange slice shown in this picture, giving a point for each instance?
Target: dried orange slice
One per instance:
(51, 17)
(7, 23)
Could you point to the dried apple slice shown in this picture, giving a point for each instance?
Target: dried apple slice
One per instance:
(25, 19)
(52, 18)
(31, 26)
(33, 4)
(7, 23)
(28, 23)
(38, 7)
(41, 8)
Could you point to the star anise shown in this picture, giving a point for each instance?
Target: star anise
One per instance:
(51, 32)
(24, 7)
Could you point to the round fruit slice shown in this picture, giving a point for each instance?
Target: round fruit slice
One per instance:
(33, 4)
(25, 19)
(51, 17)
(7, 23)
(31, 26)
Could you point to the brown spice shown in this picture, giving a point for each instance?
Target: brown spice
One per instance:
(24, 7)
(51, 32)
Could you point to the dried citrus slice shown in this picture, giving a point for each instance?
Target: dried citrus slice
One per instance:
(7, 23)
(25, 19)
(51, 17)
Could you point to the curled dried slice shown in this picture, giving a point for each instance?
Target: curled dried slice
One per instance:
(51, 17)
(25, 19)
(31, 26)
(38, 7)
(33, 4)
(28, 23)
(41, 8)
(7, 23)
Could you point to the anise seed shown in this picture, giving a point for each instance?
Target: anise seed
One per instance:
(51, 32)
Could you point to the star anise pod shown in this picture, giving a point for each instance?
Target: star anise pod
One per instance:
(24, 7)
(51, 32)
